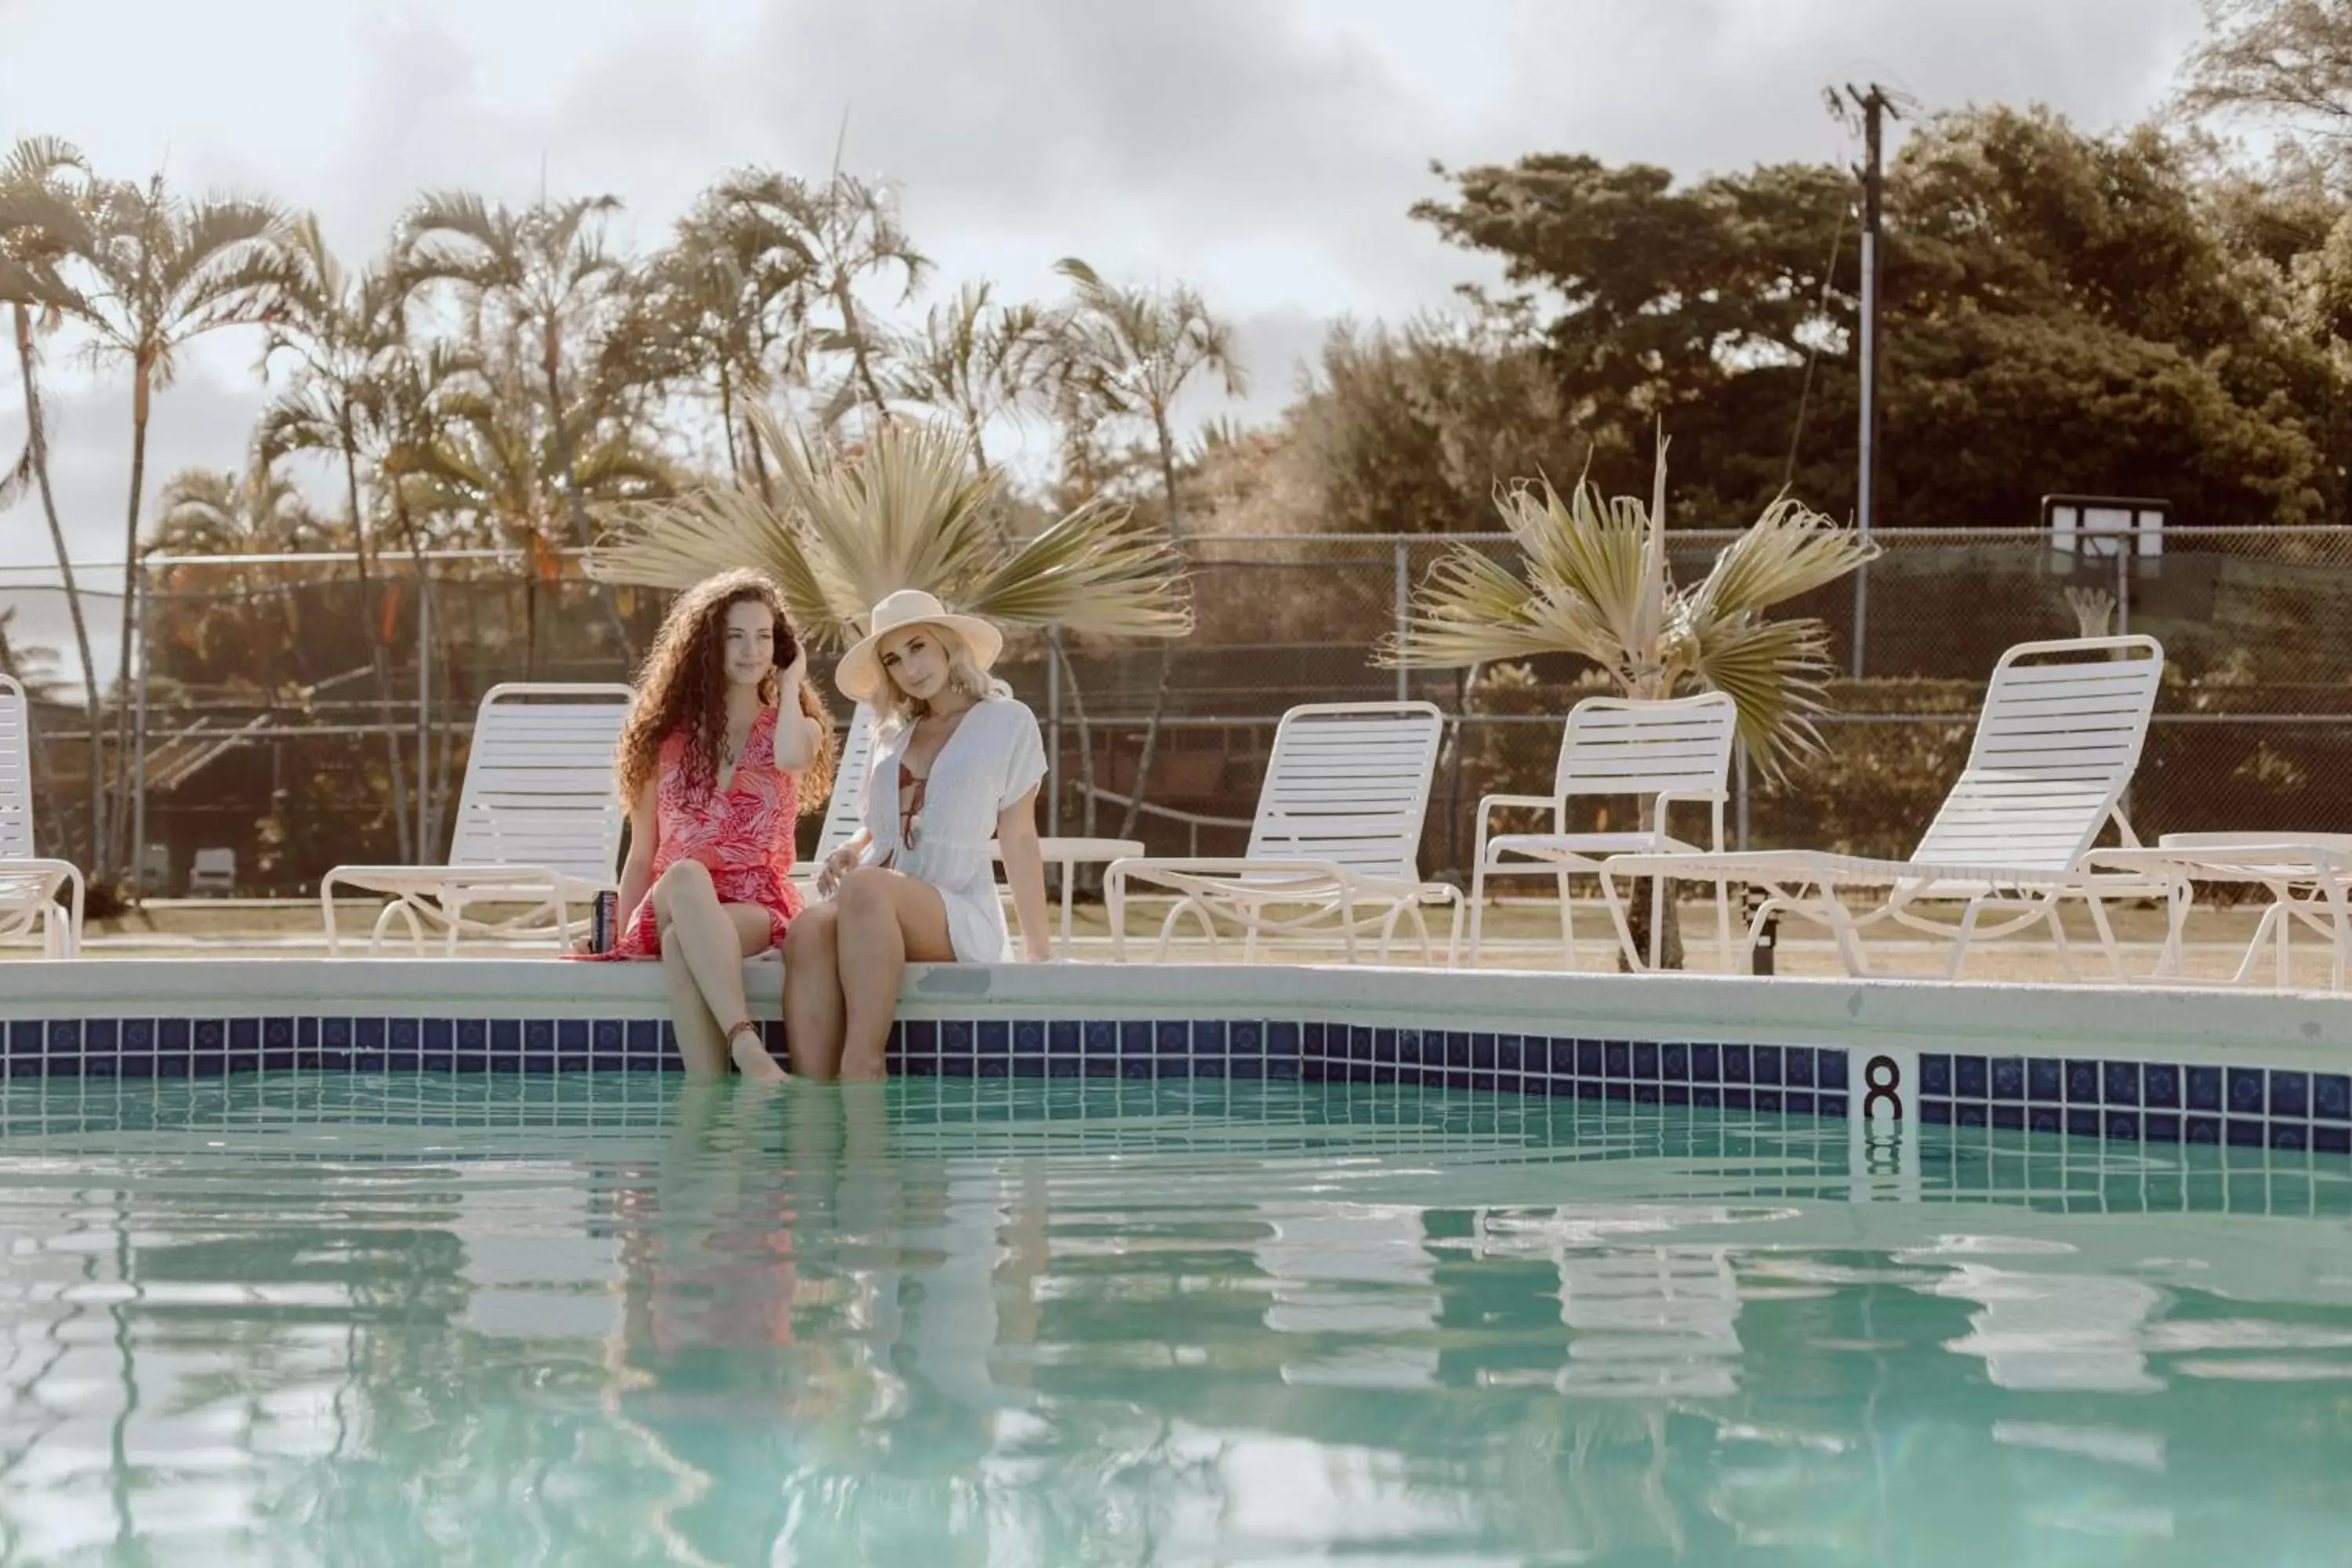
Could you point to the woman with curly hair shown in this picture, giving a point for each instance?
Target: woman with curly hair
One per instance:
(727, 745)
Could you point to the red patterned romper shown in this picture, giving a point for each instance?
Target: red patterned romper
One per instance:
(742, 833)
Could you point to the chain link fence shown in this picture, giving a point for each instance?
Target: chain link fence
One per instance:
(288, 717)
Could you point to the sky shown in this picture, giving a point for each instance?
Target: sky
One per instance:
(1265, 150)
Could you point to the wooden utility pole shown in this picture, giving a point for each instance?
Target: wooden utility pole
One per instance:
(1876, 107)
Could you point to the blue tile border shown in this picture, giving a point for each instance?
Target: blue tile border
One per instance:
(2243, 1105)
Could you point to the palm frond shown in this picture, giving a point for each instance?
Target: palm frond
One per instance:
(1585, 549)
(1470, 610)
(678, 541)
(1099, 570)
(1776, 672)
(1789, 551)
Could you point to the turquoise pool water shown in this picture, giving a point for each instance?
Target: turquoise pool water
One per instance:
(610, 1320)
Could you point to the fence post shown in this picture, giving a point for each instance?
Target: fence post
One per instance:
(140, 592)
(424, 713)
(1742, 826)
(1054, 738)
(1404, 612)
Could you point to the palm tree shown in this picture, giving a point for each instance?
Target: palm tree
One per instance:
(163, 270)
(210, 512)
(975, 359)
(909, 512)
(543, 277)
(841, 233)
(1131, 352)
(39, 223)
(1593, 580)
(336, 325)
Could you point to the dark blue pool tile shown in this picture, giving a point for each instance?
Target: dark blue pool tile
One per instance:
(2081, 1082)
(2045, 1080)
(2202, 1130)
(174, 1065)
(1936, 1073)
(642, 1039)
(27, 1038)
(1829, 1068)
(2044, 1118)
(1971, 1077)
(1390, 1045)
(957, 1035)
(1282, 1066)
(1172, 1038)
(2245, 1091)
(1560, 1054)
(2331, 1096)
(245, 1033)
(997, 1064)
(1766, 1061)
(404, 1038)
(101, 1037)
(1738, 1098)
(1798, 1103)
(2123, 1126)
(1644, 1093)
(771, 1040)
(2082, 1121)
(2008, 1079)
(1457, 1047)
(2290, 1135)
(1677, 1093)
(2160, 1127)
(1768, 1100)
(138, 1035)
(2122, 1083)
(2290, 1094)
(1484, 1053)
(1558, 1086)
(1968, 1113)
(1936, 1112)
(65, 1037)
(1674, 1062)
(2160, 1086)
(994, 1038)
(537, 1036)
(959, 1064)
(1201, 1065)
(1617, 1058)
(2326, 1140)
(1706, 1064)
(1591, 1057)
(1707, 1097)
(918, 1041)
(1511, 1056)
(1796, 1067)
(2244, 1133)
(2009, 1115)
(1209, 1037)
(1735, 1066)
(172, 1035)
(1249, 1037)
(1062, 1036)
(210, 1035)
(2204, 1089)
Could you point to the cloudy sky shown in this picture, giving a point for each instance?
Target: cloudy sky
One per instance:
(1265, 148)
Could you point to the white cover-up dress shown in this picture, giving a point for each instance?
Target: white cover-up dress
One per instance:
(993, 758)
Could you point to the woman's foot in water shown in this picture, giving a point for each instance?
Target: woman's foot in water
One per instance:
(751, 1058)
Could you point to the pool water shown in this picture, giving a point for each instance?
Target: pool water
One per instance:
(618, 1320)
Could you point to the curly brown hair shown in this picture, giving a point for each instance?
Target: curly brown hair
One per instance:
(682, 689)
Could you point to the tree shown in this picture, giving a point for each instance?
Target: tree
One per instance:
(1132, 352)
(539, 278)
(163, 270)
(41, 224)
(975, 359)
(2284, 62)
(1593, 581)
(335, 326)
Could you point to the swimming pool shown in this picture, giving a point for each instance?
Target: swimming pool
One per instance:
(607, 1318)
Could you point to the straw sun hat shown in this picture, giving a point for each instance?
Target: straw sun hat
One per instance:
(860, 674)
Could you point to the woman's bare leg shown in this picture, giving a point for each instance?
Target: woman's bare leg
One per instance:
(887, 918)
(701, 1042)
(812, 1005)
(713, 939)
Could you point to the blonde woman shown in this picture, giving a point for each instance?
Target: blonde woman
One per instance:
(957, 762)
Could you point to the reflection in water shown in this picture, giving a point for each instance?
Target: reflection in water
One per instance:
(628, 1322)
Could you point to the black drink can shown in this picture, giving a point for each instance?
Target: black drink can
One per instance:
(604, 914)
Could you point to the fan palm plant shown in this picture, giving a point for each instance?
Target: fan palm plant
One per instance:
(1594, 581)
(909, 512)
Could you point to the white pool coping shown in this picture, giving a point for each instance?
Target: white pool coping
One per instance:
(2286, 1029)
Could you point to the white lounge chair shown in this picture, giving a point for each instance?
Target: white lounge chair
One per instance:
(538, 824)
(1335, 845)
(2308, 874)
(2056, 744)
(845, 811)
(1665, 752)
(29, 885)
